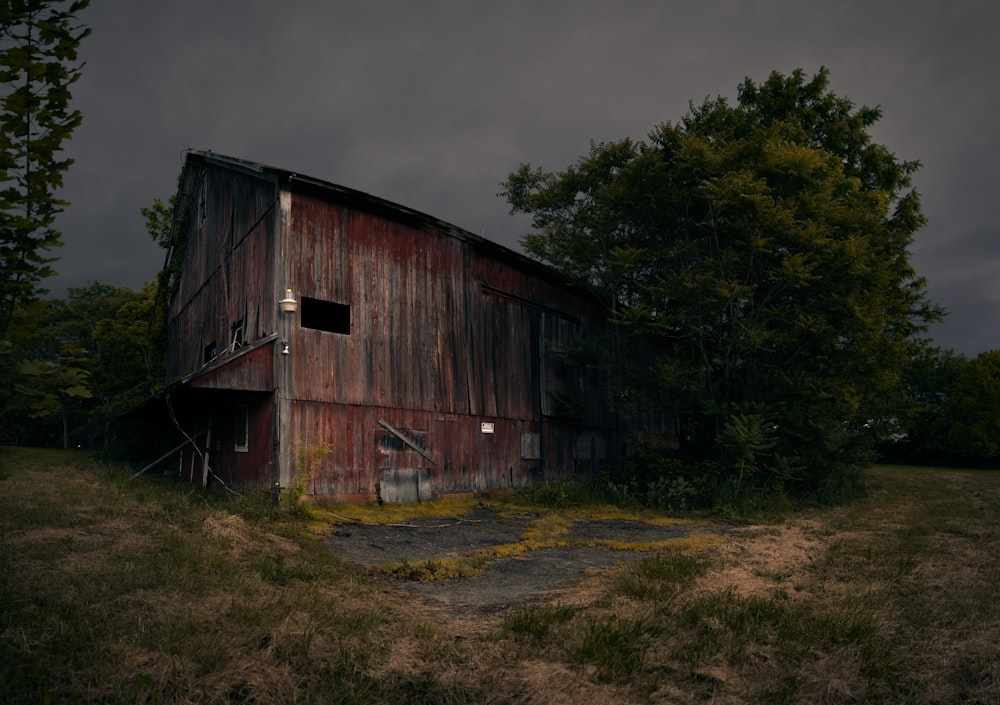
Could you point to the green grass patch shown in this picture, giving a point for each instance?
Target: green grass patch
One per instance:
(659, 577)
(613, 646)
(537, 623)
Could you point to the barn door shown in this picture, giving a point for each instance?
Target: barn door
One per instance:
(403, 464)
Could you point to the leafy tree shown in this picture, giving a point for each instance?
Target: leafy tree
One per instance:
(973, 407)
(50, 387)
(129, 358)
(38, 65)
(85, 360)
(766, 244)
(159, 218)
(82, 361)
(928, 378)
(48, 375)
(111, 324)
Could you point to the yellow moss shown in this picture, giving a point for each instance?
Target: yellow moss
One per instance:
(390, 513)
(612, 513)
(550, 528)
(547, 529)
(468, 565)
(507, 550)
(694, 542)
(475, 563)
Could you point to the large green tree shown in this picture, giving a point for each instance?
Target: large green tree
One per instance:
(766, 244)
(38, 66)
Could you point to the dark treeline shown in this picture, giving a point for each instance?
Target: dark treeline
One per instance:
(77, 365)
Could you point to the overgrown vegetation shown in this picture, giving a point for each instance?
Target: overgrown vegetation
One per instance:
(122, 592)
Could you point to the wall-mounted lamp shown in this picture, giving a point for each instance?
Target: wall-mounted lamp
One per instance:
(284, 348)
(288, 304)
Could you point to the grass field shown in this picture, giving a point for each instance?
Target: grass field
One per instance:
(143, 592)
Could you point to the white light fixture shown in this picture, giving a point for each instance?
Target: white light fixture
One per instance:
(288, 304)
(284, 348)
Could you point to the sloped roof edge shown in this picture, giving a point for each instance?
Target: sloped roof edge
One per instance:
(366, 201)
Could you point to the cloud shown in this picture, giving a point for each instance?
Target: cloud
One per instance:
(432, 104)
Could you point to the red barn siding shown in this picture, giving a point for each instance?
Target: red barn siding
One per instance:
(341, 445)
(227, 238)
(447, 333)
(250, 369)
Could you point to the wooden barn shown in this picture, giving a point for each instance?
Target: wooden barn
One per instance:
(327, 342)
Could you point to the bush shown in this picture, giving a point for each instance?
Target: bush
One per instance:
(662, 481)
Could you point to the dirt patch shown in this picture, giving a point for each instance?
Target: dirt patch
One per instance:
(529, 570)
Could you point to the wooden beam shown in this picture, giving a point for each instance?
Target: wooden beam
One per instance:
(401, 436)
(166, 455)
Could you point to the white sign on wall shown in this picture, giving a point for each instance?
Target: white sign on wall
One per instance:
(487, 427)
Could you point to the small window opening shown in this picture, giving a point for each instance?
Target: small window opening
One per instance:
(210, 353)
(241, 429)
(325, 315)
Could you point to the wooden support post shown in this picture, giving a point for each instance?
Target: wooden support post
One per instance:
(204, 457)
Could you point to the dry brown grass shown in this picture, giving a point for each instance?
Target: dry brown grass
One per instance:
(137, 593)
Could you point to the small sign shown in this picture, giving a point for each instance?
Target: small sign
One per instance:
(487, 427)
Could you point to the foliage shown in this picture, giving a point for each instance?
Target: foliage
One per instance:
(159, 220)
(79, 363)
(130, 352)
(974, 408)
(308, 458)
(745, 438)
(661, 480)
(765, 246)
(45, 385)
(86, 359)
(38, 65)
(928, 379)
(958, 412)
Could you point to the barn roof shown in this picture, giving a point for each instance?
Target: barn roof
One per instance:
(364, 201)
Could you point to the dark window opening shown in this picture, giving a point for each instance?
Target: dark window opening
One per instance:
(211, 351)
(326, 315)
(241, 429)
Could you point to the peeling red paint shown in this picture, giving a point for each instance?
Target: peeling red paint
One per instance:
(421, 348)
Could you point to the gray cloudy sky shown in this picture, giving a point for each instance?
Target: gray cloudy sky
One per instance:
(431, 104)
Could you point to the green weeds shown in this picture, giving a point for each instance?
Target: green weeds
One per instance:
(537, 623)
(659, 577)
